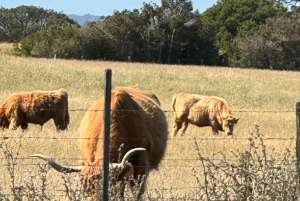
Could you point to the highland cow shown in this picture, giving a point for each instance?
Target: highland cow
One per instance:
(36, 107)
(201, 111)
(137, 123)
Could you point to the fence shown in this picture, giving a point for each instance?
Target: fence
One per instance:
(177, 166)
(298, 147)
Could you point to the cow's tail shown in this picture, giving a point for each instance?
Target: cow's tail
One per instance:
(174, 98)
(175, 115)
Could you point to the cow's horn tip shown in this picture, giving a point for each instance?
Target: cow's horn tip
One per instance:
(38, 156)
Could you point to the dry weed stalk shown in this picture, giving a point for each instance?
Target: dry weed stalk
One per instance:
(11, 156)
(74, 188)
(36, 184)
(32, 187)
(256, 175)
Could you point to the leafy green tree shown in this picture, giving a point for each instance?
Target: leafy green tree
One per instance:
(122, 29)
(17, 23)
(175, 14)
(95, 44)
(276, 45)
(166, 34)
(42, 33)
(60, 41)
(170, 29)
(231, 19)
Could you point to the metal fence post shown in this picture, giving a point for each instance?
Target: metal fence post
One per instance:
(106, 118)
(298, 148)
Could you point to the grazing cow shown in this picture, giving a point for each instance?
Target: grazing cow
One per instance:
(201, 111)
(137, 123)
(36, 107)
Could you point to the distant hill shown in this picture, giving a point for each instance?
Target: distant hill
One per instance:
(82, 19)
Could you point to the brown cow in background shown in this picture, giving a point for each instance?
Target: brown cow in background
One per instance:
(36, 107)
(137, 123)
(201, 111)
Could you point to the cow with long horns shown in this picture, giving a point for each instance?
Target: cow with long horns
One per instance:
(138, 125)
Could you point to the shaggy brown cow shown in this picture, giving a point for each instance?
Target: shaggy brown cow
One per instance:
(201, 111)
(36, 107)
(137, 121)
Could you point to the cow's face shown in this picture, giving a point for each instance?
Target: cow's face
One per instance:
(228, 124)
(92, 175)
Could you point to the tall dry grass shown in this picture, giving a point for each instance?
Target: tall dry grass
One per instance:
(262, 97)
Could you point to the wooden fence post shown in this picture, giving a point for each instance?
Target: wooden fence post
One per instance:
(106, 118)
(298, 148)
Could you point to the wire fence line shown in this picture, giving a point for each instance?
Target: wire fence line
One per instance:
(167, 163)
(171, 111)
(170, 138)
(166, 159)
(166, 111)
(161, 166)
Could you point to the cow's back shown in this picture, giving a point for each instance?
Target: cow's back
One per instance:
(215, 105)
(40, 106)
(136, 121)
(182, 103)
(149, 127)
(196, 109)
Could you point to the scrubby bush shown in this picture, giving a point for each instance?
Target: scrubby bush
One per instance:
(254, 175)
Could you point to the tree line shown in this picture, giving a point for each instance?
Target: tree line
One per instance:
(246, 33)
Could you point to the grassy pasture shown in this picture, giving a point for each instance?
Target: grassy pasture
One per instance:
(263, 97)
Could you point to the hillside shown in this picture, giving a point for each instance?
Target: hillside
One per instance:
(81, 19)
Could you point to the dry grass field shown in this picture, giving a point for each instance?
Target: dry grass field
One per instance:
(258, 97)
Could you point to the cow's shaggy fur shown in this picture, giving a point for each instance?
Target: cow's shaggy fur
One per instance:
(36, 107)
(137, 120)
(201, 111)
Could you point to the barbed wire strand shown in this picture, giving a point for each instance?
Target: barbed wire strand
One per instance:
(166, 111)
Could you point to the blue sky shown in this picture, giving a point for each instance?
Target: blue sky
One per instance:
(94, 7)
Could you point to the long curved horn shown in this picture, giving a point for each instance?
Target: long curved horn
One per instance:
(57, 166)
(65, 169)
(127, 157)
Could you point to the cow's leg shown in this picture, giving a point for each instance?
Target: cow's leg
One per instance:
(14, 123)
(185, 125)
(176, 126)
(215, 127)
(59, 123)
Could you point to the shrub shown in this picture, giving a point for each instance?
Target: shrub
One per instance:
(256, 175)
